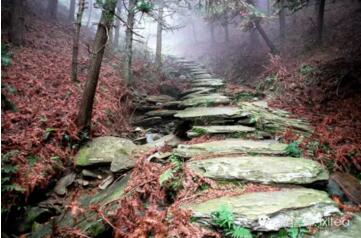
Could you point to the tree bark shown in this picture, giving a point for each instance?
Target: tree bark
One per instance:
(83, 120)
(53, 8)
(90, 13)
(72, 10)
(320, 17)
(158, 51)
(265, 37)
(282, 19)
(17, 23)
(74, 66)
(129, 43)
(117, 25)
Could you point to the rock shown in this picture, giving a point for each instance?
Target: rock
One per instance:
(344, 229)
(272, 120)
(224, 129)
(197, 91)
(173, 105)
(203, 75)
(107, 150)
(350, 186)
(206, 100)
(260, 169)
(148, 121)
(63, 183)
(32, 215)
(169, 90)
(208, 83)
(159, 99)
(161, 113)
(206, 112)
(270, 211)
(232, 146)
(82, 182)
(89, 223)
(106, 182)
(151, 137)
(90, 174)
(158, 157)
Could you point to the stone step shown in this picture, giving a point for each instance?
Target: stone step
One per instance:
(161, 113)
(220, 129)
(209, 112)
(207, 80)
(197, 90)
(232, 146)
(208, 84)
(269, 211)
(206, 100)
(261, 169)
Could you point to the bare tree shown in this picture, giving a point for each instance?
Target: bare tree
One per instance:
(321, 11)
(90, 12)
(86, 105)
(17, 23)
(158, 52)
(79, 16)
(53, 8)
(72, 10)
(117, 25)
(282, 20)
(129, 42)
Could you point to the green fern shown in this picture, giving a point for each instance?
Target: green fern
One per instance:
(166, 176)
(239, 232)
(223, 218)
(293, 150)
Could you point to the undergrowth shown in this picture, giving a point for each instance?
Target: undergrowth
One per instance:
(293, 149)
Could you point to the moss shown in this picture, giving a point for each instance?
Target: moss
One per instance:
(82, 157)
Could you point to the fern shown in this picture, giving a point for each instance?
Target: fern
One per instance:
(293, 150)
(169, 174)
(165, 176)
(239, 232)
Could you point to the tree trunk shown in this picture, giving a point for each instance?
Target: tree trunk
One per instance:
(74, 66)
(117, 26)
(226, 31)
(282, 19)
(321, 11)
(129, 43)
(265, 37)
(72, 10)
(158, 51)
(17, 23)
(213, 39)
(90, 13)
(53, 8)
(83, 120)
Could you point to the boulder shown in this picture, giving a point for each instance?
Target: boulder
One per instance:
(269, 211)
(232, 146)
(260, 169)
(343, 229)
(107, 150)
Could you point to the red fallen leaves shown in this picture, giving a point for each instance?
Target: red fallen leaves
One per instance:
(334, 110)
(46, 99)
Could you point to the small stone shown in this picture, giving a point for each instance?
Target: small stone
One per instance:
(63, 183)
(90, 174)
(106, 182)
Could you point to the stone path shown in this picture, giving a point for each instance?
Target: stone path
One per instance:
(249, 152)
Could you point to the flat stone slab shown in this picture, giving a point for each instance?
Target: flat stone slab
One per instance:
(226, 129)
(159, 99)
(351, 229)
(269, 211)
(261, 169)
(199, 112)
(204, 100)
(208, 84)
(107, 150)
(201, 75)
(232, 146)
(161, 113)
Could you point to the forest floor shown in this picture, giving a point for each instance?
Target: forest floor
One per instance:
(40, 140)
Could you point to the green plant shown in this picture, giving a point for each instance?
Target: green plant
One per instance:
(5, 57)
(144, 6)
(168, 178)
(199, 131)
(293, 150)
(223, 219)
(8, 170)
(306, 69)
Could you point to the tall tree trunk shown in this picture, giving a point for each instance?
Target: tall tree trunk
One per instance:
(211, 27)
(265, 37)
(129, 43)
(72, 10)
(158, 51)
(117, 25)
(74, 65)
(90, 12)
(17, 23)
(321, 11)
(282, 19)
(83, 120)
(226, 31)
(53, 8)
